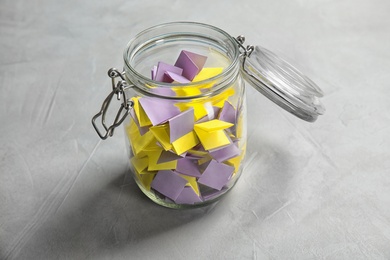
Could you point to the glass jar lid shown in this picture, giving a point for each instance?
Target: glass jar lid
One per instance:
(281, 82)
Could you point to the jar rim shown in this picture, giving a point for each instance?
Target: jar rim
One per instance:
(229, 70)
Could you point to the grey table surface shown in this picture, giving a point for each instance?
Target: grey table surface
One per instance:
(309, 190)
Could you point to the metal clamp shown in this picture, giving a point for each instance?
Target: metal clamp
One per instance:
(124, 110)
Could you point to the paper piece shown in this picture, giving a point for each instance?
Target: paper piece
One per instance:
(191, 182)
(163, 91)
(155, 166)
(225, 153)
(191, 63)
(161, 132)
(164, 67)
(216, 175)
(140, 164)
(214, 194)
(146, 180)
(187, 196)
(176, 77)
(187, 91)
(158, 110)
(188, 167)
(235, 162)
(167, 156)
(169, 184)
(186, 142)
(213, 125)
(139, 142)
(143, 119)
(212, 140)
(228, 113)
(207, 73)
(181, 124)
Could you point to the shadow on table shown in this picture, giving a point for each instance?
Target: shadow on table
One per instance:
(119, 216)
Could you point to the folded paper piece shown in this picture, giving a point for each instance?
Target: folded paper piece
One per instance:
(212, 140)
(216, 175)
(158, 110)
(162, 68)
(155, 166)
(169, 184)
(146, 180)
(228, 113)
(213, 125)
(168, 157)
(173, 77)
(140, 164)
(186, 142)
(181, 124)
(187, 196)
(161, 132)
(143, 119)
(191, 182)
(188, 167)
(191, 63)
(225, 153)
(207, 73)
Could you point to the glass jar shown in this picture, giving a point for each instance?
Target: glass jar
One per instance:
(187, 141)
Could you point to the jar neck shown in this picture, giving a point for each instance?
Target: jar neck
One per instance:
(150, 45)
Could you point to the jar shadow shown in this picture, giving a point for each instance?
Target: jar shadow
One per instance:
(119, 217)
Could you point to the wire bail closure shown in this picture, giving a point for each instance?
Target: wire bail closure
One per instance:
(124, 110)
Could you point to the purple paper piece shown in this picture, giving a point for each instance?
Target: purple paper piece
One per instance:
(228, 113)
(214, 194)
(188, 196)
(163, 91)
(188, 167)
(153, 72)
(168, 183)
(216, 175)
(225, 153)
(181, 124)
(216, 112)
(158, 110)
(203, 119)
(176, 77)
(191, 63)
(164, 67)
(167, 156)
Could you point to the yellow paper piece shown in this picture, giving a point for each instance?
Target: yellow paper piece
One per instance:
(191, 182)
(146, 180)
(185, 143)
(140, 164)
(219, 100)
(161, 133)
(198, 153)
(154, 166)
(213, 125)
(141, 142)
(212, 140)
(207, 73)
(235, 162)
(199, 109)
(187, 91)
(138, 142)
(205, 159)
(140, 112)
